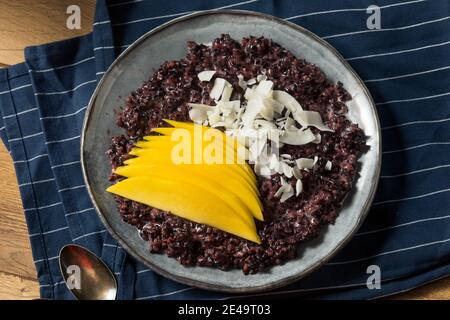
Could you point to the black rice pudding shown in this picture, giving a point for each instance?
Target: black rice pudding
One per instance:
(286, 224)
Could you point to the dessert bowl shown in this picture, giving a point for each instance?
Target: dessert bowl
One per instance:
(168, 42)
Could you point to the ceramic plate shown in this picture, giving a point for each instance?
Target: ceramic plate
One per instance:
(167, 42)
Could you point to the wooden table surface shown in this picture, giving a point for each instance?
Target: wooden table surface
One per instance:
(28, 22)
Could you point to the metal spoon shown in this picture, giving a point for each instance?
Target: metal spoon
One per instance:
(86, 276)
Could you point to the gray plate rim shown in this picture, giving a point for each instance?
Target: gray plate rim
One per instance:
(205, 285)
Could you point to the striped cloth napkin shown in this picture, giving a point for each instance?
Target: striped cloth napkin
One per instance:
(405, 64)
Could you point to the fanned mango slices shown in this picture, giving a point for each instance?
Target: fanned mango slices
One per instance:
(223, 196)
(235, 186)
(175, 173)
(179, 199)
(156, 152)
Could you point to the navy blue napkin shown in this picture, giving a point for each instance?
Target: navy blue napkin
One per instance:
(406, 66)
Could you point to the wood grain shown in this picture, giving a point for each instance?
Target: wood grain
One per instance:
(17, 288)
(438, 290)
(30, 22)
(24, 23)
(17, 271)
(15, 252)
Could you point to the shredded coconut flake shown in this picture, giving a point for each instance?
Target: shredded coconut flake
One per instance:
(252, 110)
(305, 163)
(297, 137)
(198, 116)
(264, 124)
(251, 81)
(242, 82)
(264, 88)
(285, 191)
(310, 118)
(298, 187)
(214, 116)
(261, 77)
(287, 100)
(227, 107)
(287, 194)
(206, 75)
(262, 170)
(274, 164)
(287, 170)
(318, 138)
(263, 111)
(219, 86)
(227, 92)
(296, 172)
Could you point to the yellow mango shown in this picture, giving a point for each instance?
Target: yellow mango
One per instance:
(163, 151)
(178, 198)
(210, 154)
(198, 188)
(234, 202)
(190, 126)
(172, 147)
(221, 169)
(224, 182)
(203, 137)
(228, 155)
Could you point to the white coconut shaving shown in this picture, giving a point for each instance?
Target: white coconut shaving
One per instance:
(305, 163)
(261, 77)
(287, 100)
(310, 118)
(217, 89)
(264, 88)
(298, 187)
(285, 191)
(199, 112)
(198, 116)
(242, 82)
(206, 75)
(227, 92)
(287, 169)
(251, 81)
(297, 137)
(296, 172)
(261, 116)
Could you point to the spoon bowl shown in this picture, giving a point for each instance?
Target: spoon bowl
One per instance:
(85, 275)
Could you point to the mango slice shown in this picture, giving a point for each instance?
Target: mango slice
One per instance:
(162, 152)
(190, 126)
(222, 173)
(233, 201)
(212, 170)
(167, 175)
(230, 144)
(213, 178)
(178, 198)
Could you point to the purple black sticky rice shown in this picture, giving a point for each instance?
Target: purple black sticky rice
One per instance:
(166, 94)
